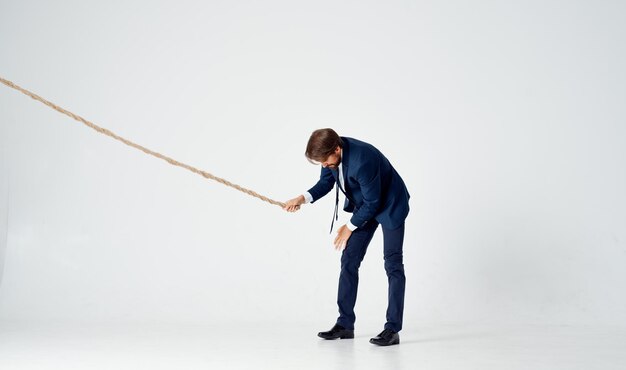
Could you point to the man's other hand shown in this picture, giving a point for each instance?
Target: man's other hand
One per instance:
(343, 234)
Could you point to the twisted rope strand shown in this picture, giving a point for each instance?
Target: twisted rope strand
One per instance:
(107, 132)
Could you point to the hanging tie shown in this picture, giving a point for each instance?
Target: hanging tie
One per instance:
(336, 215)
(337, 188)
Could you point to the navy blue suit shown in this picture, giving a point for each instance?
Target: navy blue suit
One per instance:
(375, 195)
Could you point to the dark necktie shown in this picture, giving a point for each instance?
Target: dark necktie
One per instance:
(338, 187)
(336, 214)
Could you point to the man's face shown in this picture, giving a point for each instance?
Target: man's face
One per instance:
(333, 160)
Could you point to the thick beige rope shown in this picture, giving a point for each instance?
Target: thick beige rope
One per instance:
(137, 146)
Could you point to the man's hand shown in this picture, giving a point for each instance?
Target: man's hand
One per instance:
(294, 204)
(343, 234)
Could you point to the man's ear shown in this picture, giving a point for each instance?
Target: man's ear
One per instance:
(337, 149)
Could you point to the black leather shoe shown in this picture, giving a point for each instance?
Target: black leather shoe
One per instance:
(337, 332)
(386, 338)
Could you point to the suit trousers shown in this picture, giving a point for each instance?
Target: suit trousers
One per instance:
(349, 276)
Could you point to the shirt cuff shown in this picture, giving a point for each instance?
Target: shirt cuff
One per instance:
(308, 198)
(350, 226)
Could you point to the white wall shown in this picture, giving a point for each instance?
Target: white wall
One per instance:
(4, 197)
(506, 119)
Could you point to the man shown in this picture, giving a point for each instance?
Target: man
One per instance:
(375, 195)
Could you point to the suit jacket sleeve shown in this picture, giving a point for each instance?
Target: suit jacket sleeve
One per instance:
(324, 185)
(370, 181)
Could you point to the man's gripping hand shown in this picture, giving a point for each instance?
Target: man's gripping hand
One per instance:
(294, 204)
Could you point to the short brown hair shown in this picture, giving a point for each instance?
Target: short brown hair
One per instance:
(322, 144)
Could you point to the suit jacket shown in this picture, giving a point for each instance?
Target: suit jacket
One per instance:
(373, 188)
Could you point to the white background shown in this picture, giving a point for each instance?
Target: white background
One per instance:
(506, 120)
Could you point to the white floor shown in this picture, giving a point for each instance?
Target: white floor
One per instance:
(161, 346)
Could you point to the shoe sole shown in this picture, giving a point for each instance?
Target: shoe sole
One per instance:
(345, 336)
(386, 344)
